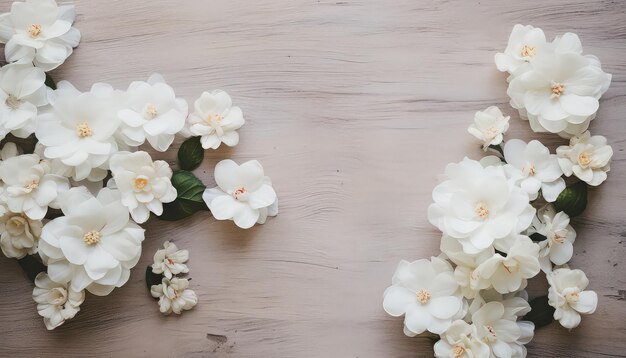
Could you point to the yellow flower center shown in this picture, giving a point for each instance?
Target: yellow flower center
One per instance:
(557, 89)
(83, 130)
(92, 237)
(215, 118)
(584, 159)
(458, 351)
(531, 170)
(423, 296)
(140, 183)
(481, 210)
(528, 51)
(573, 296)
(13, 102)
(34, 30)
(150, 112)
(34, 184)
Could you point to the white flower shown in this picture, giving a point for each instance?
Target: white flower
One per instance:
(524, 44)
(509, 274)
(215, 120)
(94, 245)
(170, 261)
(425, 292)
(559, 92)
(558, 246)
(22, 90)
(465, 263)
(479, 207)
(243, 194)
(79, 129)
(489, 126)
(39, 31)
(515, 304)
(568, 296)
(460, 341)
(588, 157)
(145, 185)
(153, 113)
(174, 296)
(56, 302)
(20, 235)
(29, 186)
(496, 329)
(533, 168)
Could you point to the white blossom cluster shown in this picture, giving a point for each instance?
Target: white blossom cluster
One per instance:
(173, 293)
(85, 137)
(473, 294)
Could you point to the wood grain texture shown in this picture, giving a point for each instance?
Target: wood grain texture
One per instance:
(354, 108)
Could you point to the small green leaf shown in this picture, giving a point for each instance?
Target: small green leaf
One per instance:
(541, 313)
(573, 199)
(189, 198)
(190, 154)
(152, 278)
(50, 82)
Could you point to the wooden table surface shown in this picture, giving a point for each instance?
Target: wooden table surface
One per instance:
(354, 108)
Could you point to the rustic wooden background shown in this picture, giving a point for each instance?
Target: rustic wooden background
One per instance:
(354, 108)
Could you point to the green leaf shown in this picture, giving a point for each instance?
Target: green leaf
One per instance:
(189, 198)
(573, 199)
(541, 313)
(50, 82)
(190, 154)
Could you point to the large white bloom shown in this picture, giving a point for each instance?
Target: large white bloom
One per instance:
(489, 126)
(29, 186)
(215, 120)
(243, 194)
(79, 129)
(174, 295)
(20, 235)
(588, 157)
(94, 245)
(558, 246)
(39, 31)
(559, 92)
(460, 341)
(145, 185)
(497, 330)
(533, 168)
(22, 91)
(479, 207)
(524, 44)
(509, 274)
(425, 292)
(56, 302)
(170, 260)
(568, 296)
(153, 113)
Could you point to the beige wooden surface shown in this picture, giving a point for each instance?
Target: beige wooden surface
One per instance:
(354, 108)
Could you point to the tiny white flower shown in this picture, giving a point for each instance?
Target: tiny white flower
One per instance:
(497, 330)
(94, 245)
(215, 120)
(153, 113)
(80, 129)
(243, 194)
(478, 206)
(460, 341)
(39, 31)
(588, 157)
(509, 274)
(22, 91)
(174, 295)
(489, 126)
(558, 246)
(29, 185)
(425, 292)
(170, 260)
(524, 44)
(56, 302)
(533, 168)
(20, 235)
(568, 296)
(145, 185)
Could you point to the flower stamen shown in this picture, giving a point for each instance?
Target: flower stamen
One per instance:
(559, 236)
(458, 351)
(140, 183)
(239, 193)
(92, 237)
(492, 331)
(34, 30)
(83, 130)
(528, 51)
(584, 159)
(423, 296)
(531, 170)
(150, 112)
(215, 118)
(481, 210)
(13, 102)
(557, 89)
